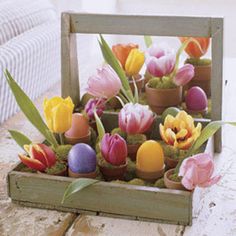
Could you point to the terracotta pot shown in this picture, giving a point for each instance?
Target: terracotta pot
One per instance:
(171, 162)
(139, 83)
(132, 150)
(150, 176)
(114, 173)
(170, 183)
(202, 78)
(73, 140)
(91, 175)
(160, 99)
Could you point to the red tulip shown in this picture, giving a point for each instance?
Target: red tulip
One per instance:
(114, 149)
(40, 157)
(135, 118)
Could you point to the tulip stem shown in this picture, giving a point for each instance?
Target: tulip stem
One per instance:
(61, 138)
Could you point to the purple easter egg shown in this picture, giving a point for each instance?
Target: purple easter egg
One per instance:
(196, 99)
(82, 158)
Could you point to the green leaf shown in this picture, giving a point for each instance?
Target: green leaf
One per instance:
(148, 41)
(110, 58)
(136, 97)
(100, 128)
(78, 185)
(28, 108)
(20, 138)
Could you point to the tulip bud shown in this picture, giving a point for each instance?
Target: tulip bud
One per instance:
(58, 113)
(40, 157)
(114, 149)
(134, 62)
(95, 104)
(184, 75)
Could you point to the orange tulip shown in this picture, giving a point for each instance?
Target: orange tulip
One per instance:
(121, 51)
(193, 50)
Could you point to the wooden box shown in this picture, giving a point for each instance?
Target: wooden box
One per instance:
(113, 199)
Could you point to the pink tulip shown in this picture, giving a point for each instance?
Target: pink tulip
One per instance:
(95, 104)
(135, 118)
(156, 51)
(114, 149)
(105, 84)
(197, 171)
(161, 66)
(184, 75)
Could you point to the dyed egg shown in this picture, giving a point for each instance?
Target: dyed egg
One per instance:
(150, 157)
(82, 158)
(196, 99)
(79, 127)
(169, 111)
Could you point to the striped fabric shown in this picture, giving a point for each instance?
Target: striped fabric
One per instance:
(18, 16)
(33, 58)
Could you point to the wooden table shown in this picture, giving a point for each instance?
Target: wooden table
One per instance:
(214, 211)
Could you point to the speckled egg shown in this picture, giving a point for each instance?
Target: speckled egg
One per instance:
(82, 159)
(196, 99)
(79, 127)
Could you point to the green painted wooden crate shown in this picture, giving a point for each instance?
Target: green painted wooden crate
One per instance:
(113, 199)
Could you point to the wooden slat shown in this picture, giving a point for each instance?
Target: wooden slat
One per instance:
(217, 76)
(146, 202)
(140, 25)
(69, 62)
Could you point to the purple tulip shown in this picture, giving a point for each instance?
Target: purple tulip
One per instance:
(105, 84)
(82, 158)
(114, 149)
(95, 104)
(184, 75)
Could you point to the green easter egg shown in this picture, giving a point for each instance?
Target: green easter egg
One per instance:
(169, 111)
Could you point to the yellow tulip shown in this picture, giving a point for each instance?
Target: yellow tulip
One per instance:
(150, 157)
(134, 62)
(58, 113)
(180, 131)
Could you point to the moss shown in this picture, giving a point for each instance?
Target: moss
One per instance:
(198, 61)
(172, 152)
(120, 132)
(58, 167)
(136, 138)
(27, 169)
(175, 178)
(137, 181)
(158, 83)
(160, 183)
(62, 152)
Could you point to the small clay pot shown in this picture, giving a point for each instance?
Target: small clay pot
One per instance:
(139, 80)
(91, 175)
(170, 183)
(73, 140)
(150, 176)
(171, 162)
(202, 78)
(160, 99)
(132, 150)
(114, 173)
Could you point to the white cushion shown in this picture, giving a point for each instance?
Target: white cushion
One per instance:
(18, 16)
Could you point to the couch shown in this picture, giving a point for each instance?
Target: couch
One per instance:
(29, 49)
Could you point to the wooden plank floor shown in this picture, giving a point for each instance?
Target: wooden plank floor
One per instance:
(214, 208)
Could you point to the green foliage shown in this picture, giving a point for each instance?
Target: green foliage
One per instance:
(198, 61)
(148, 41)
(20, 138)
(55, 169)
(136, 138)
(175, 178)
(160, 183)
(161, 83)
(62, 152)
(120, 132)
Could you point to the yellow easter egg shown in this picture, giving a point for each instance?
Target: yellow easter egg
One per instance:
(150, 157)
